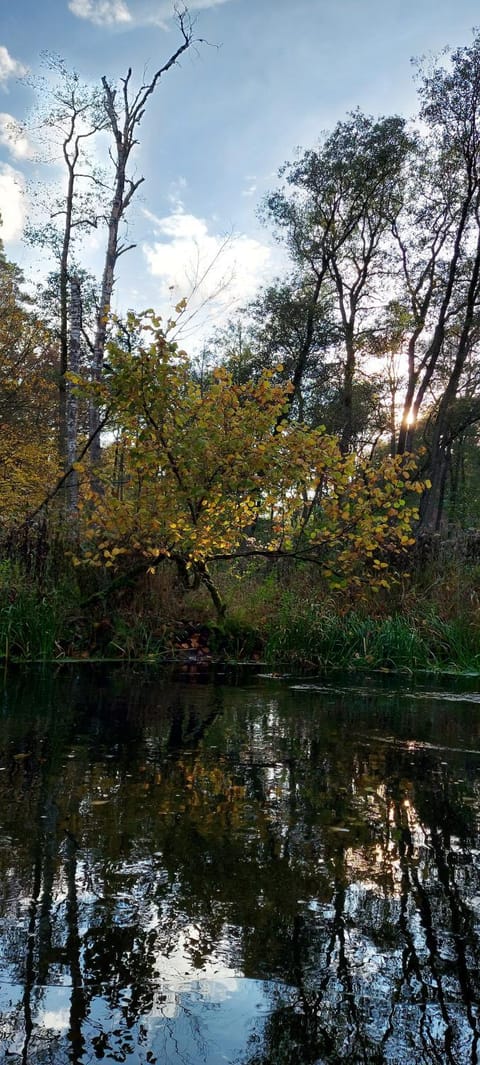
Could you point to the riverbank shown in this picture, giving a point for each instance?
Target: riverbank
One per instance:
(428, 620)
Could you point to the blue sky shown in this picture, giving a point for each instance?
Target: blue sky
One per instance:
(274, 75)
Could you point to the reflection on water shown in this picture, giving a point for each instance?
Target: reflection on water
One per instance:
(257, 873)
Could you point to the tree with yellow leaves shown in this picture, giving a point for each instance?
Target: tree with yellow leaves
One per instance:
(202, 469)
(28, 447)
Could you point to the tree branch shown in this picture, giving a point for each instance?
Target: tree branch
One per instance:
(54, 491)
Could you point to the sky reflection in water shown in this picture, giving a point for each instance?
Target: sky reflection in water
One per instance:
(255, 873)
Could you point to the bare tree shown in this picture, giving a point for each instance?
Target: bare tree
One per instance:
(124, 115)
(74, 115)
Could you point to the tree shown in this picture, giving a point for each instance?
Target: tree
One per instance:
(72, 117)
(439, 241)
(201, 466)
(28, 415)
(274, 331)
(335, 212)
(91, 198)
(382, 225)
(124, 115)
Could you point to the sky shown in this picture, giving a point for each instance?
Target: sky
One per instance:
(271, 76)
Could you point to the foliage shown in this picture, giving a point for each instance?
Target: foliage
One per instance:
(335, 211)
(28, 458)
(277, 456)
(31, 622)
(215, 473)
(305, 634)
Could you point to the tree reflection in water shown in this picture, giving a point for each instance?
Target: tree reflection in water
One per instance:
(206, 873)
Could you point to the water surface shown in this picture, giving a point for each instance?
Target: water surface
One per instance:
(242, 870)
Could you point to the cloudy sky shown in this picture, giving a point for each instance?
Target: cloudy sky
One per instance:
(272, 75)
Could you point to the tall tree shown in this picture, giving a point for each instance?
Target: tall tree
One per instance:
(124, 114)
(69, 116)
(28, 412)
(91, 198)
(335, 212)
(439, 240)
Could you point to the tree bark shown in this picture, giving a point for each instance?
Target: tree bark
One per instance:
(71, 395)
(432, 504)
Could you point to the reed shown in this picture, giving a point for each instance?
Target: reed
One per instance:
(305, 635)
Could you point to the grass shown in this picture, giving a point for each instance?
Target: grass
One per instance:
(427, 621)
(311, 637)
(282, 615)
(28, 628)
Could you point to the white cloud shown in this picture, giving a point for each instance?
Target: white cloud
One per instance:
(12, 207)
(9, 67)
(13, 137)
(58, 1020)
(136, 13)
(216, 274)
(101, 12)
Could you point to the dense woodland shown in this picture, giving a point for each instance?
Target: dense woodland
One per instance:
(306, 468)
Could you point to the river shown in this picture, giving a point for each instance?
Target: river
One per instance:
(238, 868)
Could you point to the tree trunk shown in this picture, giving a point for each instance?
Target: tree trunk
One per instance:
(63, 287)
(431, 510)
(71, 396)
(124, 132)
(426, 371)
(108, 278)
(347, 398)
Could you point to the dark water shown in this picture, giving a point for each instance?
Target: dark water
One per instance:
(253, 872)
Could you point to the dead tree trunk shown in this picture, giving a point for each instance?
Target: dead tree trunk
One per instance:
(123, 121)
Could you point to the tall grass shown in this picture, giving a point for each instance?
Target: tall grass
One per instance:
(284, 615)
(30, 621)
(308, 635)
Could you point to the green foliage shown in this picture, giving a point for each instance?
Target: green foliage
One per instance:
(28, 458)
(130, 635)
(30, 622)
(308, 635)
(235, 639)
(284, 615)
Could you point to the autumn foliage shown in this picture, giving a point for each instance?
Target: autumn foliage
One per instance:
(199, 473)
(28, 445)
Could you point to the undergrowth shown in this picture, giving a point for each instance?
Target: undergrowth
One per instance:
(282, 615)
(309, 636)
